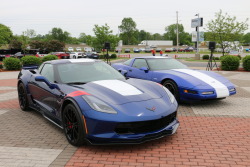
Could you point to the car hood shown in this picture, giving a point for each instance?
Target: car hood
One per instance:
(196, 78)
(119, 92)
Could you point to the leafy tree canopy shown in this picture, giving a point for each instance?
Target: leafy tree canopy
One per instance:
(5, 34)
(224, 29)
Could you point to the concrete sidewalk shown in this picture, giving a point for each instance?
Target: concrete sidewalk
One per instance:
(214, 133)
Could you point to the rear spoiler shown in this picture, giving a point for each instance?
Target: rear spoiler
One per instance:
(30, 66)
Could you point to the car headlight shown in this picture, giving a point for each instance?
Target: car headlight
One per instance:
(170, 95)
(99, 105)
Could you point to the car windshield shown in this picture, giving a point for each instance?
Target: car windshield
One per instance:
(164, 64)
(86, 72)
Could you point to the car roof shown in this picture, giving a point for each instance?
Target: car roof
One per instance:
(66, 61)
(153, 57)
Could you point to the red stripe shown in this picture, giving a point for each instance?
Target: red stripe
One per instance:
(77, 93)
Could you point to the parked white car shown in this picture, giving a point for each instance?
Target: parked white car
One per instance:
(75, 55)
(78, 49)
(71, 49)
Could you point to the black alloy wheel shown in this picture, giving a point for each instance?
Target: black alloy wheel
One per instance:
(22, 97)
(73, 125)
(173, 88)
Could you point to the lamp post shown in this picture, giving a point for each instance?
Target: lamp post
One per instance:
(177, 33)
(197, 38)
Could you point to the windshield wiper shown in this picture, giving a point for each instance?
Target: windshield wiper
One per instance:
(76, 83)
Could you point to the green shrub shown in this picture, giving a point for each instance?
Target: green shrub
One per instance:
(28, 60)
(216, 58)
(12, 63)
(222, 57)
(102, 56)
(49, 57)
(246, 63)
(230, 63)
(205, 57)
(113, 56)
(1, 66)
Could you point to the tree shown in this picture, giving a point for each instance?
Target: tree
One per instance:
(128, 30)
(15, 44)
(157, 36)
(184, 38)
(103, 34)
(35, 44)
(5, 35)
(59, 34)
(30, 33)
(246, 38)
(55, 46)
(224, 29)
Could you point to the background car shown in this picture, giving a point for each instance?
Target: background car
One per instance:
(95, 104)
(61, 55)
(136, 50)
(142, 49)
(170, 50)
(189, 49)
(91, 55)
(127, 50)
(70, 49)
(78, 49)
(75, 55)
(185, 84)
(148, 50)
(158, 49)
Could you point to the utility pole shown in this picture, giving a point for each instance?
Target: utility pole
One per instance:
(197, 29)
(177, 32)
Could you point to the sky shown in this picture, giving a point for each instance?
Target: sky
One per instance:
(80, 16)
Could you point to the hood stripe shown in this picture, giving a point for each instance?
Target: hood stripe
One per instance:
(120, 87)
(220, 89)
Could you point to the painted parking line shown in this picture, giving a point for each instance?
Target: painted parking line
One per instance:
(19, 156)
(8, 96)
(226, 107)
(2, 111)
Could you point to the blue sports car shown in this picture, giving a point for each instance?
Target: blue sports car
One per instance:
(95, 104)
(185, 84)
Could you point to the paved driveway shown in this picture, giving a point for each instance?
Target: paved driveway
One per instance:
(215, 133)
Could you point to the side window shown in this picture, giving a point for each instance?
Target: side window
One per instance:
(127, 62)
(48, 72)
(138, 63)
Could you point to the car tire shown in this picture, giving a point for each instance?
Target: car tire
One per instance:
(22, 97)
(73, 125)
(74, 57)
(173, 88)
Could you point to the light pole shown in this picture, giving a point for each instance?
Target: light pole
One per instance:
(177, 33)
(197, 29)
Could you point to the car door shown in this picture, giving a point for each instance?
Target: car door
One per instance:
(135, 70)
(45, 97)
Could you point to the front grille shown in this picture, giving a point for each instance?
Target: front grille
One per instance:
(144, 126)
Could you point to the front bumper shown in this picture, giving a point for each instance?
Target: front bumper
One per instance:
(189, 97)
(114, 138)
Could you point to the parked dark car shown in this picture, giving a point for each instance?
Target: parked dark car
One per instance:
(158, 49)
(170, 50)
(91, 55)
(189, 49)
(136, 50)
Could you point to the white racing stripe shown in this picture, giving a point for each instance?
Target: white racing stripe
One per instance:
(220, 89)
(119, 87)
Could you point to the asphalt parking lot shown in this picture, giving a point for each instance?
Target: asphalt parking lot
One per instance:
(214, 133)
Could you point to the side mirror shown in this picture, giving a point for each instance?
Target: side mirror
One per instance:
(43, 79)
(144, 69)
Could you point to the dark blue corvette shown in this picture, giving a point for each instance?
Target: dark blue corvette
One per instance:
(185, 84)
(95, 104)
